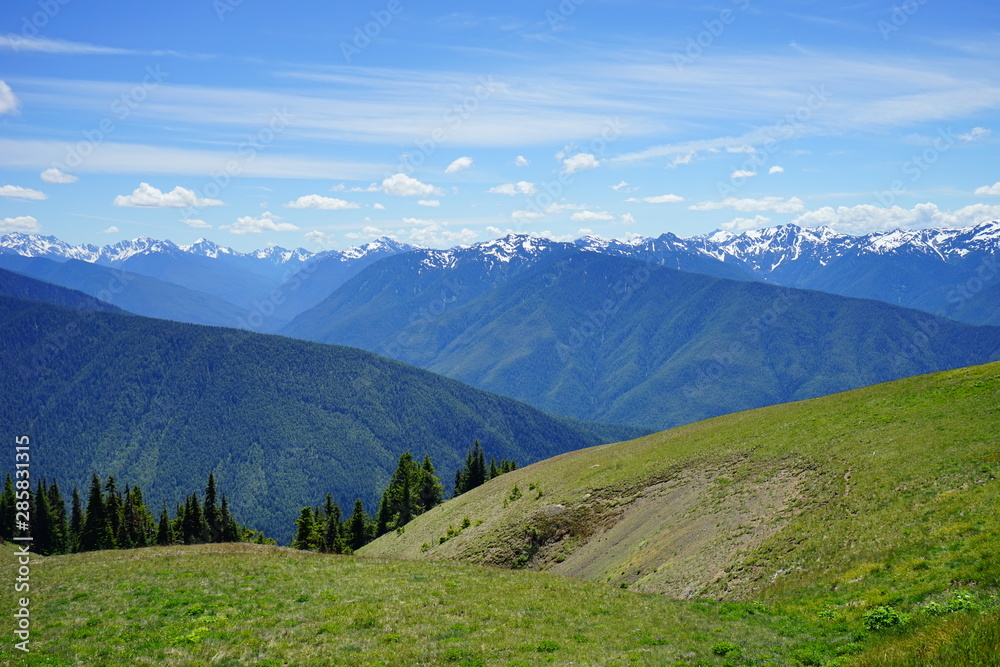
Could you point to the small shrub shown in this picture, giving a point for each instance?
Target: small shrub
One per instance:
(547, 647)
(883, 618)
(726, 649)
(515, 493)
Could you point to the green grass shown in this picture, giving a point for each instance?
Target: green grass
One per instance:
(258, 605)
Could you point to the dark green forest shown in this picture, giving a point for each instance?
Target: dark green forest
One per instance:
(162, 404)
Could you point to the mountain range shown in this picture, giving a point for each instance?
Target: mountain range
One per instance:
(949, 272)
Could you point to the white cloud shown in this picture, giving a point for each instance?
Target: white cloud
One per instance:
(55, 46)
(23, 223)
(511, 189)
(776, 169)
(266, 222)
(628, 219)
(580, 161)
(658, 199)
(775, 204)
(521, 161)
(53, 175)
(558, 208)
(679, 160)
(17, 192)
(322, 203)
(989, 189)
(623, 187)
(743, 224)
(368, 233)
(591, 216)
(868, 217)
(319, 238)
(8, 100)
(745, 148)
(459, 164)
(742, 173)
(110, 230)
(402, 185)
(146, 196)
(378, 207)
(975, 134)
(435, 235)
(432, 203)
(196, 223)
(525, 216)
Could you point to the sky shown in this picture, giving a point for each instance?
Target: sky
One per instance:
(324, 125)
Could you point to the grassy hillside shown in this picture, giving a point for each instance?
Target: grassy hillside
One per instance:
(280, 422)
(886, 495)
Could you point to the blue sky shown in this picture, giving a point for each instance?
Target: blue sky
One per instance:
(323, 125)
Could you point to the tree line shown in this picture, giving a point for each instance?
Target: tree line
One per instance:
(413, 489)
(114, 518)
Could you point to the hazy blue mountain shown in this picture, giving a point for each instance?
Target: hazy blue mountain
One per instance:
(609, 338)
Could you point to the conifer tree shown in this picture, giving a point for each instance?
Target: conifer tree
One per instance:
(230, 530)
(164, 532)
(430, 492)
(76, 521)
(212, 518)
(332, 531)
(305, 527)
(41, 521)
(60, 529)
(7, 512)
(96, 532)
(358, 526)
(114, 508)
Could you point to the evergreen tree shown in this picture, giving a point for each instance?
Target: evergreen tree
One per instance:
(430, 491)
(138, 524)
(76, 522)
(60, 528)
(193, 525)
(213, 520)
(96, 533)
(7, 512)
(41, 521)
(332, 532)
(475, 471)
(305, 530)
(114, 507)
(358, 526)
(164, 532)
(230, 530)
